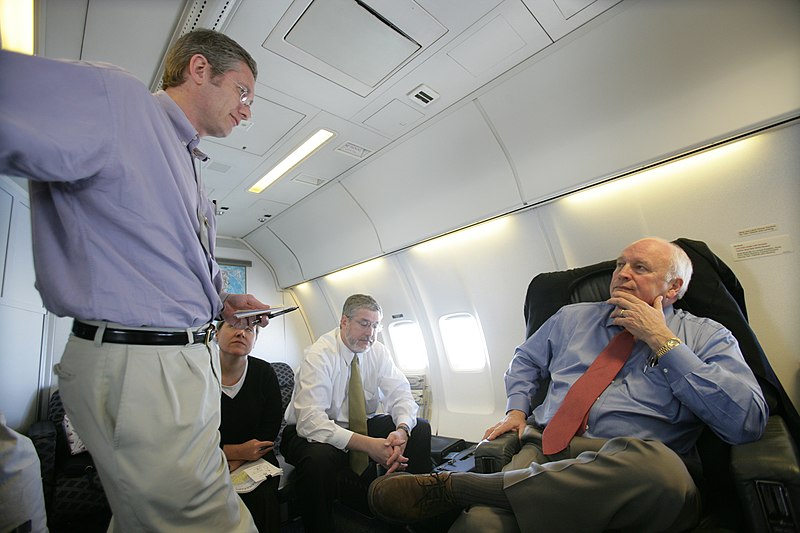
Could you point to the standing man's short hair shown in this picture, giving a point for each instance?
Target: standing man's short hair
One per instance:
(222, 53)
(359, 301)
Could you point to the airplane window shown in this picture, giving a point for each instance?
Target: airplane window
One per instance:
(409, 347)
(463, 342)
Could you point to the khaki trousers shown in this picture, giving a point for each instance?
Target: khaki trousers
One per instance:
(623, 484)
(150, 417)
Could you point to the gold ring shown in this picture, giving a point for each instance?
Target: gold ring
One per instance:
(622, 314)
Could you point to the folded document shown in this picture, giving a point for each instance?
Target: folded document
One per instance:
(250, 475)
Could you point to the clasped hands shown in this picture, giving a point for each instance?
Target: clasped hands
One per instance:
(388, 452)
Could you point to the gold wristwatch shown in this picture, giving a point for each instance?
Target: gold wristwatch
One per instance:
(668, 345)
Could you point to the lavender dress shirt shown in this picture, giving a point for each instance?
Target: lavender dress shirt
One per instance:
(122, 228)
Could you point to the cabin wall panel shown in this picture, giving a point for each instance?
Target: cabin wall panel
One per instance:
(327, 231)
(285, 336)
(21, 312)
(19, 369)
(282, 260)
(449, 175)
(651, 81)
(485, 271)
(710, 197)
(6, 203)
(380, 278)
(321, 314)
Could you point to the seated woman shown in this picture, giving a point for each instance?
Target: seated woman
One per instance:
(251, 417)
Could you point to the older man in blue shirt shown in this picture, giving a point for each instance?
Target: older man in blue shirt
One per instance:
(629, 467)
(123, 238)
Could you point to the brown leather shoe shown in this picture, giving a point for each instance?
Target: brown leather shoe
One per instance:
(403, 498)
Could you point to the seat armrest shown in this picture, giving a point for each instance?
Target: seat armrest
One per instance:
(772, 457)
(43, 435)
(767, 477)
(492, 455)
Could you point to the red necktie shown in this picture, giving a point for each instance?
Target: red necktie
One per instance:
(574, 411)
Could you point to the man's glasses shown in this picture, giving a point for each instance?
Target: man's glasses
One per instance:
(243, 94)
(366, 324)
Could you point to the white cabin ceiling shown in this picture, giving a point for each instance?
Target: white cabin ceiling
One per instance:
(350, 66)
(464, 110)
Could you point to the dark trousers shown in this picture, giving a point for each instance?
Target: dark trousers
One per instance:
(322, 472)
(263, 505)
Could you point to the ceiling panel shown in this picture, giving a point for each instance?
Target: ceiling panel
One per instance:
(351, 43)
(114, 30)
(268, 125)
(560, 17)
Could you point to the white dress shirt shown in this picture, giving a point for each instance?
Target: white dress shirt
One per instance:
(319, 401)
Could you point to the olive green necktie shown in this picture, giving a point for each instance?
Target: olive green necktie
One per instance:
(357, 415)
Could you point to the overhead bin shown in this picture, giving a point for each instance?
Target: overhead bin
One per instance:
(653, 81)
(445, 177)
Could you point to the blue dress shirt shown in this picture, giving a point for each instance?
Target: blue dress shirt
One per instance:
(705, 380)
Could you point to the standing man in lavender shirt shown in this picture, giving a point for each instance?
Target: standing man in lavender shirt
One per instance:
(123, 239)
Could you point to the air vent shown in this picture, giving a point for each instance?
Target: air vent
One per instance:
(209, 14)
(353, 150)
(309, 180)
(423, 95)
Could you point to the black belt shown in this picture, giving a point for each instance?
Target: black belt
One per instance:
(137, 336)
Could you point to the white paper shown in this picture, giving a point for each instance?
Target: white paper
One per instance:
(250, 475)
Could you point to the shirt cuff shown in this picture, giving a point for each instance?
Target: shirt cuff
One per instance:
(407, 420)
(678, 362)
(518, 402)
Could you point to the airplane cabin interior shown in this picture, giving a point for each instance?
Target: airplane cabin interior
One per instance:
(471, 146)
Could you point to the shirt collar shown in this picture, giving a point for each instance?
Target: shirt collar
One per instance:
(187, 134)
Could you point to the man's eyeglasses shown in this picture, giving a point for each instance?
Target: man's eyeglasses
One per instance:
(243, 94)
(364, 323)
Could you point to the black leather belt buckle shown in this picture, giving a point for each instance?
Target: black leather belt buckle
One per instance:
(141, 337)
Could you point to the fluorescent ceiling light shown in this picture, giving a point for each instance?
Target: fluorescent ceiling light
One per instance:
(292, 160)
(16, 25)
